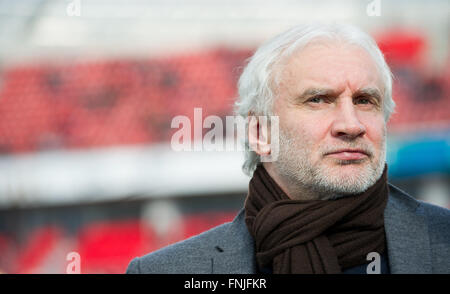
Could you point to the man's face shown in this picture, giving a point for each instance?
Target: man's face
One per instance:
(332, 130)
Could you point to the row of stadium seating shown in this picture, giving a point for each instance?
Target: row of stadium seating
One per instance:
(103, 246)
(112, 102)
(123, 102)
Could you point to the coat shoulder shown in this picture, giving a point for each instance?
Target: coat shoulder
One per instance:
(434, 221)
(183, 257)
(435, 216)
(438, 220)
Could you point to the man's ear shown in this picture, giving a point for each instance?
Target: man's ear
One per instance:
(259, 135)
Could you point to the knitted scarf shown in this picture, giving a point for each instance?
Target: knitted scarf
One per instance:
(314, 236)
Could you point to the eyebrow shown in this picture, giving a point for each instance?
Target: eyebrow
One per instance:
(316, 92)
(310, 92)
(372, 92)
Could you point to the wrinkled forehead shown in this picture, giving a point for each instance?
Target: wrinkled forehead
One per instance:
(328, 63)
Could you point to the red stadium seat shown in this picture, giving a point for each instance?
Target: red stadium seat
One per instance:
(108, 247)
(196, 224)
(37, 248)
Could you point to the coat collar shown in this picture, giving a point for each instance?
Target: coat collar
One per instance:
(406, 235)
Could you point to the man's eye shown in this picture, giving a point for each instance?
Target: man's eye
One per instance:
(316, 99)
(363, 101)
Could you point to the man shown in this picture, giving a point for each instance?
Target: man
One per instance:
(323, 204)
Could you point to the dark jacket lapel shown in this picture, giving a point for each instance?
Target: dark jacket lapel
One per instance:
(407, 234)
(235, 251)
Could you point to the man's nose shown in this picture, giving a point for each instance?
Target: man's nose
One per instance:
(346, 124)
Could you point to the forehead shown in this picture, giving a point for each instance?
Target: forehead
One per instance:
(330, 64)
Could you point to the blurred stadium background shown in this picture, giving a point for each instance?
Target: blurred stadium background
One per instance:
(88, 89)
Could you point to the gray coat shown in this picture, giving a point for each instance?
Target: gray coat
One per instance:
(417, 233)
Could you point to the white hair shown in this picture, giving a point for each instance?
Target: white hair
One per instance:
(258, 80)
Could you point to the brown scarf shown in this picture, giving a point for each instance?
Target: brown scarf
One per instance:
(314, 236)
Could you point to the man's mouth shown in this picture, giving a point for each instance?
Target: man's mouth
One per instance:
(348, 154)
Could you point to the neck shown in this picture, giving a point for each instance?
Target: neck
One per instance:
(292, 189)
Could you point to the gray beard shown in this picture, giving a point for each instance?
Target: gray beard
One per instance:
(294, 166)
